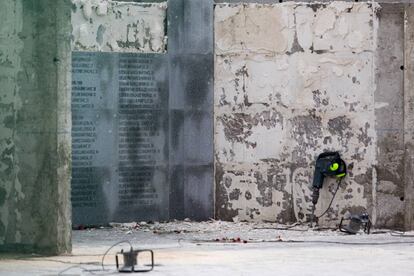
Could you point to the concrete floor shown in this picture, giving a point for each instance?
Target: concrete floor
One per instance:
(186, 248)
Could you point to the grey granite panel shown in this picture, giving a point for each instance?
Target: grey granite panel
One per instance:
(198, 81)
(120, 132)
(190, 26)
(198, 196)
(176, 136)
(198, 138)
(190, 49)
(177, 192)
(151, 152)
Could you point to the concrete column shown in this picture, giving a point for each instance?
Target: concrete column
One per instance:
(409, 116)
(190, 51)
(388, 191)
(35, 122)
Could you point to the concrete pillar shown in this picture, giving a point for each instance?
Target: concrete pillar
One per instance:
(35, 122)
(190, 51)
(388, 190)
(409, 116)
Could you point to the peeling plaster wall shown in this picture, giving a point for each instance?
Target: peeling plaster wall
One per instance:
(291, 81)
(102, 25)
(35, 122)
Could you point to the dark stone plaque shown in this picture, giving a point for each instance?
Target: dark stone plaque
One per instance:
(119, 137)
(143, 126)
(190, 49)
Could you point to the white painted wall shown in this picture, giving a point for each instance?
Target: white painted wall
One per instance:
(291, 81)
(114, 26)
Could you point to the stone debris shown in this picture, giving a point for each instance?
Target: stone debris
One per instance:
(223, 231)
(215, 232)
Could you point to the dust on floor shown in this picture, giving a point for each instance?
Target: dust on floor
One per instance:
(228, 248)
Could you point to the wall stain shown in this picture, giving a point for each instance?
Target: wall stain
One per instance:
(307, 129)
(340, 126)
(316, 6)
(296, 47)
(319, 99)
(234, 195)
(265, 189)
(238, 126)
(227, 181)
(100, 34)
(363, 136)
(223, 208)
(252, 212)
(6, 158)
(3, 194)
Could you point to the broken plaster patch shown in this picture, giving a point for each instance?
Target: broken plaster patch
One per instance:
(111, 26)
(322, 89)
(241, 28)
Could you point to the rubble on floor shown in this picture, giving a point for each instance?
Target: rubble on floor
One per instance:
(227, 248)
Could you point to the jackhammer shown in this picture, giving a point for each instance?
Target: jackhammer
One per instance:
(327, 164)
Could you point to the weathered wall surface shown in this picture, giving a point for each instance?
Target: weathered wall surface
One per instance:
(191, 62)
(409, 116)
(291, 81)
(125, 169)
(35, 126)
(10, 66)
(115, 26)
(388, 190)
(102, 25)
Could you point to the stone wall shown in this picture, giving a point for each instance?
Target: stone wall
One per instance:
(115, 26)
(185, 125)
(293, 80)
(119, 132)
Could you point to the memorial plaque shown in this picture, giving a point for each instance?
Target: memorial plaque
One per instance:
(143, 141)
(119, 137)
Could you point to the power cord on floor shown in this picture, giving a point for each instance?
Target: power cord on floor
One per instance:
(91, 271)
(200, 242)
(104, 271)
(290, 227)
(101, 271)
(109, 249)
(332, 199)
(351, 243)
(82, 264)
